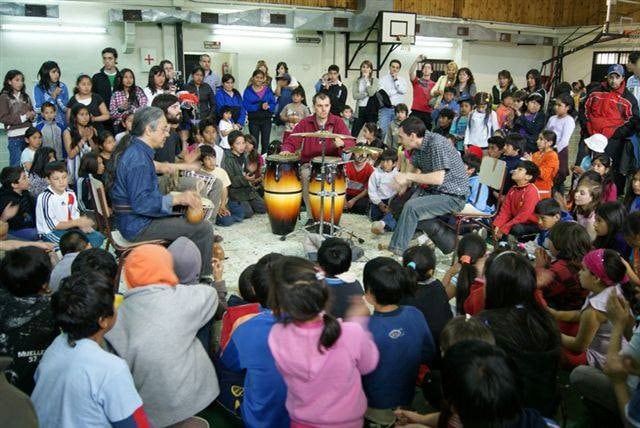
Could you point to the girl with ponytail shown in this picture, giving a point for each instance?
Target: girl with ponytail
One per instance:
(321, 359)
(471, 251)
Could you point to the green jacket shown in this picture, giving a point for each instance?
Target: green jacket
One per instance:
(240, 189)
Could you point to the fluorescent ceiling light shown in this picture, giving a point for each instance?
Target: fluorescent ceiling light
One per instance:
(432, 42)
(53, 28)
(268, 33)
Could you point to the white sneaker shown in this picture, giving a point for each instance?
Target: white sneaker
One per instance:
(377, 227)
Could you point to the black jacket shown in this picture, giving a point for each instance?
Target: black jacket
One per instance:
(26, 216)
(28, 328)
(101, 85)
(337, 95)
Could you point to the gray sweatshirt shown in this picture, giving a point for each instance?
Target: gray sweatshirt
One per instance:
(155, 333)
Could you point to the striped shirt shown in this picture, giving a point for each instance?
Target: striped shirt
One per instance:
(52, 208)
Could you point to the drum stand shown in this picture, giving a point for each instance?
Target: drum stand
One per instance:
(334, 230)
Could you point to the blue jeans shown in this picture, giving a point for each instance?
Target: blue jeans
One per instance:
(236, 216)
(95, 238)
(386, 115)
(421, 206)
(30, 234)
(376, 214)
(15, 150)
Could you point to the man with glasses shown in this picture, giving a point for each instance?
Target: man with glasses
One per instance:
(142, 212)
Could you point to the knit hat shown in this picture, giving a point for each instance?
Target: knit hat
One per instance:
(475, 150)
(149, 264)
(187, 261)
(594, 261)
(596, 143)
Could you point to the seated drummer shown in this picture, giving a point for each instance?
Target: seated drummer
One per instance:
(142, 213)
(323, 120)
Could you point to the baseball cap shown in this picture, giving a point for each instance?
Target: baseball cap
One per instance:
(617, 69)
(596, 143)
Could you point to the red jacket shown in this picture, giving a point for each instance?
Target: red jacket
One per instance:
(312, 146)
(518, 207)
(607, 110)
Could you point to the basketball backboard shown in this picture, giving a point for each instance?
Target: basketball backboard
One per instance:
(396, 25)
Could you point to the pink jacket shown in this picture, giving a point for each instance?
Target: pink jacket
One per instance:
(324, 389)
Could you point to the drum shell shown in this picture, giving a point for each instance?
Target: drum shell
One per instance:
(282, 194)
(335, 172)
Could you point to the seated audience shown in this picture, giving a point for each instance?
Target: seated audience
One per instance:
(77, 382)
(26, 320)
(153, 290)
(549, 214)
(15, 196)
(71, 244)
(334, 257)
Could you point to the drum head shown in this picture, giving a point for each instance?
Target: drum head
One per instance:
(283, 158)
(327, 159)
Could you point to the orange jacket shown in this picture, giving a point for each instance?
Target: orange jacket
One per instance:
(549, 165)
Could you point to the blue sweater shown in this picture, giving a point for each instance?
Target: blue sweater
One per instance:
(40, 96)
(264, 389)
(479, 195)
(235, 102)
(253, 103)
(404, 341)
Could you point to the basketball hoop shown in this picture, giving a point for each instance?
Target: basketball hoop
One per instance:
(405, 42)
(632, 34)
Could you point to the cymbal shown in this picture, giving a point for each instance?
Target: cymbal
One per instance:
(367, 150)
(323, 134)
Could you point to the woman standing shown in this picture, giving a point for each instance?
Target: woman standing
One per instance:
(157, 84)
(127, 98)
(50, 88)
(363, 88)
(260, 103)
(228, 96)
(465, 84)
(448, 79)
(16, 113)
(206, 97)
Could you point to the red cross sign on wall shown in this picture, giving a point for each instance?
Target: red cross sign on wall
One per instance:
(149, 59)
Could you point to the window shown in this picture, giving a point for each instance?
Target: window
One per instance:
(602, 61)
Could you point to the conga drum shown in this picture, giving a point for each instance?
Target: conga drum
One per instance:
(334, 175)
(282, 192)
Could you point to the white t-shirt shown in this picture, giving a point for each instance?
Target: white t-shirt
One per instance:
(52, 208)
(563, 127)
(219, 174)
(83, 386)
(27, 156)
(224, 125)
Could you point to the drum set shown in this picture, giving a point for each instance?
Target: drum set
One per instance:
(327, 188)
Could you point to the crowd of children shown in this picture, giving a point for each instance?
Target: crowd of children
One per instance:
(556, 289)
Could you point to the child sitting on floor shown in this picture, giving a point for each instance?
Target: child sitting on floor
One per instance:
(549, 213)
(77, 382)
(512, 154)
(602, 165)
(225, 216)
(57, 208)
(429, 295)
(381, 190)
(391, 137)
(401, 334)
(26, 320)
(334, 257)
(358, 173)
(15, 196)
(495, 146)
(516, 215)
(333, 349)
(547, 161)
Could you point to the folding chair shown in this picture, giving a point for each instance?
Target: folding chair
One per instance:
(492, 174)
(114, 238)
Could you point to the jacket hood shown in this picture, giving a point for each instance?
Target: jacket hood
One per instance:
(307, 365)
(187, 261)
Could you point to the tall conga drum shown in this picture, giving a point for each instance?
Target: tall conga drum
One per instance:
(334, 175)
(283, 192)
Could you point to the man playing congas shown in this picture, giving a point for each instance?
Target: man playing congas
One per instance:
(321, 120)
(142, 212)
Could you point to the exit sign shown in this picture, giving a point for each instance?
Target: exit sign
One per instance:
(211, 44)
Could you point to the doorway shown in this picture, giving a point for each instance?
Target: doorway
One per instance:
(221, 62)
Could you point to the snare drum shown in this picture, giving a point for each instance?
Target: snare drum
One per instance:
(334, 175)
(207, 206)
(283, 192)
